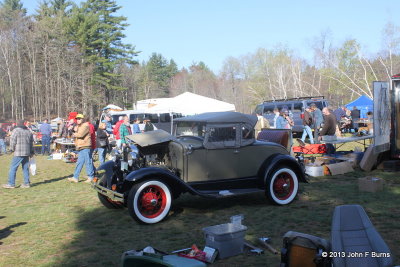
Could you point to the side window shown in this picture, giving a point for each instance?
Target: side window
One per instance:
(298, 107)
(115, 118)
(177, 115)
(258, 109)
(133, 117)
(284, 106)
(247, 133)
(165, 117)
(153, 117)
(222, 134)
(317, 103)
(269, 109)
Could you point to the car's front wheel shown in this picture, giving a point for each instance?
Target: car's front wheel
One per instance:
(282, 185)
(149, 202)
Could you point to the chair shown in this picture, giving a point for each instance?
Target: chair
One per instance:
(354, 242)
(309, 148)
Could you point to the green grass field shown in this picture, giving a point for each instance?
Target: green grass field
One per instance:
(56, 223)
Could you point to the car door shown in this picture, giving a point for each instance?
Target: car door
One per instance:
(222, 151)
(251, 156)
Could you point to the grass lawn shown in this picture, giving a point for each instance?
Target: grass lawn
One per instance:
(56, 223)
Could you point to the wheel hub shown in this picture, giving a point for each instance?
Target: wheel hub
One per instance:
(149, 200)
(281, 185)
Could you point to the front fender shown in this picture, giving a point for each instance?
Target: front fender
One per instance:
(108, 167)
(277, 159)
(173, 181)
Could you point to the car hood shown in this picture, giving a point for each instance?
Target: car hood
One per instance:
(151, 138)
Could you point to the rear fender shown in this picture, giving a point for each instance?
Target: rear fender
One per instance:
(275, 160)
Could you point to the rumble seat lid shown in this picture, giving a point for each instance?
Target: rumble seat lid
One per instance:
(151, 138)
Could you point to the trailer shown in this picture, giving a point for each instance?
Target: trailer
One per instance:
(395, 116)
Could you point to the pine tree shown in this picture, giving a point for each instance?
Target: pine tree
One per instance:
(98, 33)
(10, 10)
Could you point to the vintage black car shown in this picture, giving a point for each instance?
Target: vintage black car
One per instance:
(210, 155)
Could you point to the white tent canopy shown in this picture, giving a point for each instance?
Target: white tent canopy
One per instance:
(191, 104)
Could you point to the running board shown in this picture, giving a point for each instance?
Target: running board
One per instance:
(229, 192)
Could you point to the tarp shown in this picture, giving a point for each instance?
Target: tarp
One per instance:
(113, 107)
(191, 104)
(57, 119)
(363, 103)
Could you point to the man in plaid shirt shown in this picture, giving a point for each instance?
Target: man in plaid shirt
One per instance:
(21, 143)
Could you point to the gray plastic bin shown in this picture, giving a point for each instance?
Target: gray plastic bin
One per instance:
(228, 238)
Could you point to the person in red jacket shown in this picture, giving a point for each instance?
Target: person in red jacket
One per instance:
(92, 132)
(116, 131)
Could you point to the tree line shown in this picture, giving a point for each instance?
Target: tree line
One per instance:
(69, 57)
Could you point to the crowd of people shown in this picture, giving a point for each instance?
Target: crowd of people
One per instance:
(87, 140)
(317, 123)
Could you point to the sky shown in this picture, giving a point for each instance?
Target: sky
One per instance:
(190, 31)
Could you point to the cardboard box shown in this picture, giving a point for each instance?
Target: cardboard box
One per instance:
(370, 184)
(340, 168)
(369, 159)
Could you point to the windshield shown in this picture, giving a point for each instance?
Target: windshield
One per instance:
(190, 128)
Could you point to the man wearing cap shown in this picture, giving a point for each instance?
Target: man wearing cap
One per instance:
(83, 145)
(21, 143)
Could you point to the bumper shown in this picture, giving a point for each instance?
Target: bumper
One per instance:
(112, 195)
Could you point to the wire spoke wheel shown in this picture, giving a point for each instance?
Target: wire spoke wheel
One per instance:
(149, 202)
(152, 201)
(282, 186)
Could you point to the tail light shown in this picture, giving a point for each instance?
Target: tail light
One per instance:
(302, 115)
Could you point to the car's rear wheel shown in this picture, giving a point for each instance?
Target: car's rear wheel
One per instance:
(282, 185)
(106, 201)
(149, 202)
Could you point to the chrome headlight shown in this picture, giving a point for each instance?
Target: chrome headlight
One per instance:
(114, 154)
(134, 149)
(132, 156)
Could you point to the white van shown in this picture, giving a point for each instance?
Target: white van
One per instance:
(159, 120)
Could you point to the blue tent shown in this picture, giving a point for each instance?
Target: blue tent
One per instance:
(363, 103)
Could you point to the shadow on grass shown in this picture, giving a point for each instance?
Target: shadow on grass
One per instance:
(8, 230)
(102, 235)
(51, 180)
